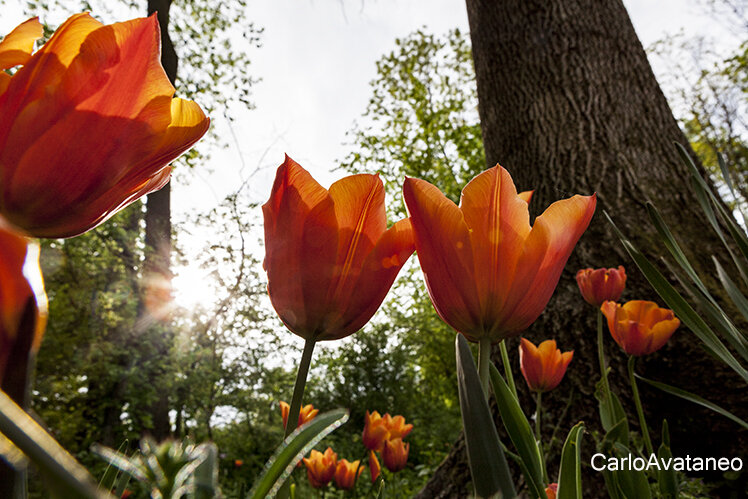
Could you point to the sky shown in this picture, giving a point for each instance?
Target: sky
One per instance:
(316, 61)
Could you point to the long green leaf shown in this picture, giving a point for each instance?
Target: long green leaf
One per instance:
(570, 472)
(694, 398)
(70, 479)
(667, 480)
(632, 483)
(727, 175)
(520, 433)
(486, 459)
(613, 418)
(733, 292)
(680, 306)
(290, 452)
(737, 233)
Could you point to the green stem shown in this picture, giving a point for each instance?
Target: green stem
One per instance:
(538, 413)
(298, 389)
(507, 368)
(601, 358)
(484, 360)
(639, 410)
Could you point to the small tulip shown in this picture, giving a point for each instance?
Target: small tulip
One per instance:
(551, 491)
(375, 431)
(600, 285)
(320, 468)
(23, 308)
(329, 255)
(306, 414)
(489, 272)
(345, 474)
(543, 366)
(639, 327)
(395, 454)
(88, 125)
(397, 427)
(374, 467)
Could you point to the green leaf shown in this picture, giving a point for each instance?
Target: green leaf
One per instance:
(520, 433)
(488, 465)
(206, 473)
(69, 478)
(632, 483)
(570, 473)
(694, 398)
(680, 306)
(667, 480)
(613, 418)
(290, 452)
(732, 290)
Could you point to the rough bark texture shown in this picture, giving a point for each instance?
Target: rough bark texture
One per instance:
(569, 104)
(158, 231)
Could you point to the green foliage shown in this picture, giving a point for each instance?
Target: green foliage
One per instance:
(422, 118)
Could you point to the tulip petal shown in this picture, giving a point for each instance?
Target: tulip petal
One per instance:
(16, 47)
(377, 274)
(545, 253)
(358, 201)
(300, 238)
(499, 223)
(445, 252)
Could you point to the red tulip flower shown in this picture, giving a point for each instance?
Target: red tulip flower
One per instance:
(23, 307)
(306, 414)
(551, 491)
(395, 454)
(345, 474)
(600, 285)
(489, 273)
(639, 327)
(544, 366)
(88, 124)
(330, 258)
(320, 468)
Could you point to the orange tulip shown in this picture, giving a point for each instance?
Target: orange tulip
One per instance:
(543, 366)
(345, 474)
(551, 491)
(375, 431)
(320, 468)
(397, 427)
(600, 285)
(374, 467)
(23, 308)
(89, 124)
(330, 258)
(639, 327)
(306, 414)
(489, 273)
(395, 454)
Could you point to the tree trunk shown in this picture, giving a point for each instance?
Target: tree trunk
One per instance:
(569, 104)
(157, 272)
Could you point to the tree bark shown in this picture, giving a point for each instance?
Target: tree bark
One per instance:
(569, 104)
(157, 273)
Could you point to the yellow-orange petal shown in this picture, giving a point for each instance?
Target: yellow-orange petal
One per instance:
(499, 223)
(547, 248)
(442, 240)
(16, 47)
(526, 196)
(358, 201)
(375, 278)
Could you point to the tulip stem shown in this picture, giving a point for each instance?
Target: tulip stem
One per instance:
(484, 359)
(538, 413)
(639, 410)
(601, 358)
(507, 368)
(298, 389)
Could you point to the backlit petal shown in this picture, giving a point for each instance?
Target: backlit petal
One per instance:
(445, 252)
(16, 47)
